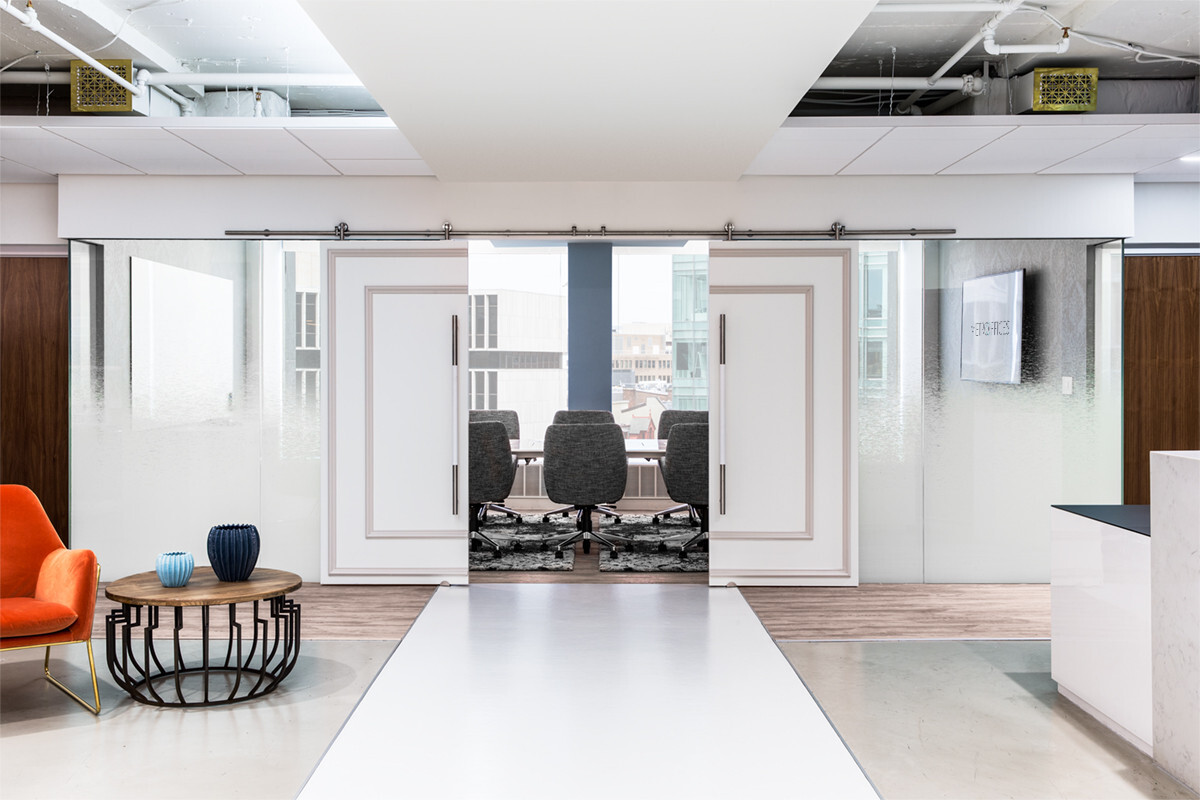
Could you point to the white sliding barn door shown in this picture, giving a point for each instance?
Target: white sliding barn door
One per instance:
(783, 499)
(394, 413)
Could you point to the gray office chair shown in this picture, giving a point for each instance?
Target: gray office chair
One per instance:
(585, 468)
(578, 416)
(666, 421)
(685, 472)
(512, 422)
(490, 475)
(512, 425)
(584, 416)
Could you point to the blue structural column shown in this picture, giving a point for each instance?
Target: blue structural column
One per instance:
(589, 325)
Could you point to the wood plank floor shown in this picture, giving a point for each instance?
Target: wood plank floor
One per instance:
(904, 611)
(870, 611)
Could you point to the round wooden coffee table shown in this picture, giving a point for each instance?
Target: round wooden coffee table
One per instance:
(248, 669)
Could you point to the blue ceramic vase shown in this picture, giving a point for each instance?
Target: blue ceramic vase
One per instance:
(233, 551)
(175, 568)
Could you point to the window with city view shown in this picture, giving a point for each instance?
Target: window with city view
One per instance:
(517, 332)
(660, 334)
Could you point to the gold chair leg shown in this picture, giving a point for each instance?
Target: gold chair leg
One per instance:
(95, 687)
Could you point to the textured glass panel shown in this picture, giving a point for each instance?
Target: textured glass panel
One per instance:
(188, 406)
(889, 410)
(998, 455)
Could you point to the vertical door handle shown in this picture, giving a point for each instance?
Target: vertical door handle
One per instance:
(721, 414)
(454, 414)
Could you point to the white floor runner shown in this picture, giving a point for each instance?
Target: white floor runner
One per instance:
(575, 690)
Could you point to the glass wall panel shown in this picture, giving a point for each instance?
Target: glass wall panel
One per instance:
(195, 398)
(660, 334)
(998, 455)
(517, 357)
(890, 515)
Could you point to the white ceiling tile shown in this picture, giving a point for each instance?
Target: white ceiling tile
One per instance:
(1032, 148)
(271, 151)
(923, 150)
(53, 154)
(151, 150)
(351, 143)
(813, 151)
(12, 172)
(381, 166)
(1176, 169)
(1141, 149)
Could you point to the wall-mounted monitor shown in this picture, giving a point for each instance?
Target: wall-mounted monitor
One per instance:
(991, 327)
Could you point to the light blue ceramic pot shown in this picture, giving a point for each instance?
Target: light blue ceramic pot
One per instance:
(175, 568)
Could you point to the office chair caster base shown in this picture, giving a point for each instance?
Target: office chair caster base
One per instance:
(612, 554)
(518, 519)
(683, 555)
(516, 547)
(558, 553)
(475, 545)
(655, 521)
(587, 546)
(546, 519)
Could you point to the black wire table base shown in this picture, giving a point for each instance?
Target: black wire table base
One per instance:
(248, 669)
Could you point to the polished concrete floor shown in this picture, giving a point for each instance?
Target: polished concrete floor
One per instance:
(52, 749)
(925, 719)
(955, 719)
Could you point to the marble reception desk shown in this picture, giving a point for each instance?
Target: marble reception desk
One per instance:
(1100, 615)
(1125, 614)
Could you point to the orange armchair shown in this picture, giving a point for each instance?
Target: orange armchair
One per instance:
(47, 592)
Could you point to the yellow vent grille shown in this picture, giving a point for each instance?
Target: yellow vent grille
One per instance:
(92, 91)
(1065, 89)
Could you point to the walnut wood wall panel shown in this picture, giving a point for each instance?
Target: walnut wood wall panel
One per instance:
(34, 381)
(1162, 363)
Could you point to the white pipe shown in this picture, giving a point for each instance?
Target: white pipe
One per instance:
(186, 106)
(209, 79)
(251, 79)
(967, 84)
(939, 8)
(1008, 7)
(30, 20)
(989, 44)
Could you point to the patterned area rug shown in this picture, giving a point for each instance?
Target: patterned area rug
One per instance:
(526, 535)
(655, 548)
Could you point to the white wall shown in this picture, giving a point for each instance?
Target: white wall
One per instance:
(996, 207)
(29, 214)
(1166, 213)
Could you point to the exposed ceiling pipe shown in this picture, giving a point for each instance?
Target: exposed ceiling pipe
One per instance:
(989, 44)
(30, 20)
(252, 79)
(186, 106)
(219, 79)
(1007, 7)
(954, 98)
(967, 84)
(940, 8)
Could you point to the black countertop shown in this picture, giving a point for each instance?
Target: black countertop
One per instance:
(1131, 518)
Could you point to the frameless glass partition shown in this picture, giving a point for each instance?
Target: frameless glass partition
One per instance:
(956, 475)
(195, 397)
(659, 334)
(517, 332)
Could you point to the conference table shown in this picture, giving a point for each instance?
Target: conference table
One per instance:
(650, 449)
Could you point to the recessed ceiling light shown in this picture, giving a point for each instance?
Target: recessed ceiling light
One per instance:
(1191, 159)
